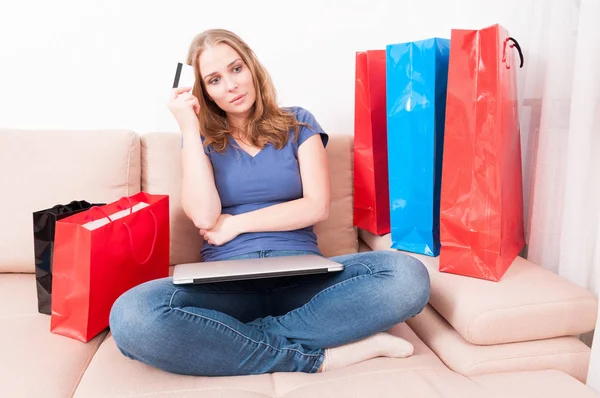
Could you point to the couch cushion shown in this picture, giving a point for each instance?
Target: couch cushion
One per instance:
(534, 384)
(337, 235)
(360, 379)
(440, 383)
(18, 295)
(110, 374)
(40, 169)
(161, 174)
(567, 354)
(37, 363)
(529, 302)
(372, 380)
(34, 361)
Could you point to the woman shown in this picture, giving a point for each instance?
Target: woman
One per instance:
(255, 181)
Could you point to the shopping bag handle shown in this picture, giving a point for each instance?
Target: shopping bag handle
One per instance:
(153, 240)
(129, 230)
(89, 218)
(516, 45)
(130, 204)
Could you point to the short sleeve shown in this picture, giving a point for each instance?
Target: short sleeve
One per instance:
(305, 116)
(206, 149)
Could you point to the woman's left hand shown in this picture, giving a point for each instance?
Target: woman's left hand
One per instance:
(224, 231)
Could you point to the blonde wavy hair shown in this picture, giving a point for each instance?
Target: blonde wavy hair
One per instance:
(268, 123)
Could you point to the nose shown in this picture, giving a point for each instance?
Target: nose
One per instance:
(231, 83)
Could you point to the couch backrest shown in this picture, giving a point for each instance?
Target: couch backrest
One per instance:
(39, 169)
(161, 174)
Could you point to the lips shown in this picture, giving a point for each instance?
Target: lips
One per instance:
(237, 98)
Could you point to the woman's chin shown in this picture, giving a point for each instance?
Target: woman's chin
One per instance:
(239, 110)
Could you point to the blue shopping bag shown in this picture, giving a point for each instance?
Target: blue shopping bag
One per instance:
(416, 80)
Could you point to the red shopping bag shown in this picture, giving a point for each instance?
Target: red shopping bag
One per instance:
(481, 206)
(371, 191)
(101, 253)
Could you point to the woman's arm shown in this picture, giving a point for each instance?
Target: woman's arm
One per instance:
(199, 197)
(300, 213)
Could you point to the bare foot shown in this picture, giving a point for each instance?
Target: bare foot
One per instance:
(379, 345)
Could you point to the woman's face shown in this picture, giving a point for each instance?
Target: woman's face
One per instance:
(227, 79)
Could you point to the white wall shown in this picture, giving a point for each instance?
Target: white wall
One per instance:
(84, 64)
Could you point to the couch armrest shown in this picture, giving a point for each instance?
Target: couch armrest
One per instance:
(567, 354)
(528, 303)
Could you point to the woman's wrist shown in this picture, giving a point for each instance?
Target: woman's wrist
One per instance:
(237, 223)
(190, 132)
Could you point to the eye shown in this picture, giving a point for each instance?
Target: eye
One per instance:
(214, 81)
(237, 69)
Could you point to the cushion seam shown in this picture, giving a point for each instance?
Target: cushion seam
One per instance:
(539, 354)
(20, 315)
(86, 365)
(364, 374)
(129, 164)
(195, 389)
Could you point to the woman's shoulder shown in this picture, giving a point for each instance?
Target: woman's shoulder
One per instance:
(303, 115)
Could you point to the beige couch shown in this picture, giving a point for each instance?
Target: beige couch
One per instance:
(515, 338)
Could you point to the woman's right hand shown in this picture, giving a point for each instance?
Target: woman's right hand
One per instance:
(185, 107)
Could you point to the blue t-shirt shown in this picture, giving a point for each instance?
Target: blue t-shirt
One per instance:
(247, 183)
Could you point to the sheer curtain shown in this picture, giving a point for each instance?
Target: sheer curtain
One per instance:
(560, 122)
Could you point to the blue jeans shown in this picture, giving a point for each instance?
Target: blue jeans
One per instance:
(267, 325)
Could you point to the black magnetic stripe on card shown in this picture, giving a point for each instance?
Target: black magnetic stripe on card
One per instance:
(177, 74)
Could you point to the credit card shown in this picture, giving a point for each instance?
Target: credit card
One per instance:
(184, 76)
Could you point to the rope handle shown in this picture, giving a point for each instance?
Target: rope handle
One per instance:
(90, 218)
(130, 207)
(153, 240)
(516, 45)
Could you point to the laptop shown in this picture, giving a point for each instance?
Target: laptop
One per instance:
(253, 268)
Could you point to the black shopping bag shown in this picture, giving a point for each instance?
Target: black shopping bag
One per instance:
(44, 222)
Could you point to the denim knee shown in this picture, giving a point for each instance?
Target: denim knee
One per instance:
(131, 316)
(123, 320)
(413, 278)
(405, 283)
(119, 323)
